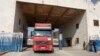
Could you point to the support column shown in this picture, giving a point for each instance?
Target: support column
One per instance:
(7, 14)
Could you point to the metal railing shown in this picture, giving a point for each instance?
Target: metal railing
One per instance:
(11, 41)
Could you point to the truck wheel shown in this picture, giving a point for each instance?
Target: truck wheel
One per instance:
(52, 51)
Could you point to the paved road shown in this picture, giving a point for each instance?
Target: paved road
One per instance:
(64, 52)
(79, 52)
(29, 52)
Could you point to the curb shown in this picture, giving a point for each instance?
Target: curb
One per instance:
(2, 53)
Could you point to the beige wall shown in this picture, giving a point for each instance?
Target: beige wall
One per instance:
(69, 30)
(93, 15)
(7, 14)
(79, 4)
(22, 27)
(7, 10)
(9, 23)
(19, 17)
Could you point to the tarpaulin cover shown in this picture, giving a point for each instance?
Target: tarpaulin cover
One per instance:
(98, 45)
(11, 42)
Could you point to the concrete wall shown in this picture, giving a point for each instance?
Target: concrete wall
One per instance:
(7, 10)
(93, 13)
(9, 23)
(22, 25)
(7, 14)
(79, 4)
(69, 30)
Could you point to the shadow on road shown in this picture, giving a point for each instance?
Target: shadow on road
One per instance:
(44, 52)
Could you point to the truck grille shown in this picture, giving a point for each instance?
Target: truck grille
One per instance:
(42, 42)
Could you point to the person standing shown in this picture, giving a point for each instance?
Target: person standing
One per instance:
(84, 45)
(94, 46)
(91, 45)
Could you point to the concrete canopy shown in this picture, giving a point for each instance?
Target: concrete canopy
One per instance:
(41, 13)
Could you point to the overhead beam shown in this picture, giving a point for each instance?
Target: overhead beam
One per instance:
(49, 13)
(61, 16)
(35, 14)
(70, 19)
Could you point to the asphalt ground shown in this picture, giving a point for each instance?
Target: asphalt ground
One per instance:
(65, 52)
(30, 52)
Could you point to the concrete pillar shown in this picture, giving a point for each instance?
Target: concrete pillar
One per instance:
(7, 14)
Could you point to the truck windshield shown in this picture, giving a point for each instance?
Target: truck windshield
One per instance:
(42, 33)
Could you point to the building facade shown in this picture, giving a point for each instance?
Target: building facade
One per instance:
(88, 23)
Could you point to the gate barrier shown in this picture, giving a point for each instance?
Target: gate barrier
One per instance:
(11, 42)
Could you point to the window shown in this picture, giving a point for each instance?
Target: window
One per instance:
(77, 40)
(96, 22)
(42, 32)
(77, 26)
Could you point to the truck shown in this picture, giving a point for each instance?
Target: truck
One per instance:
(43, 39)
